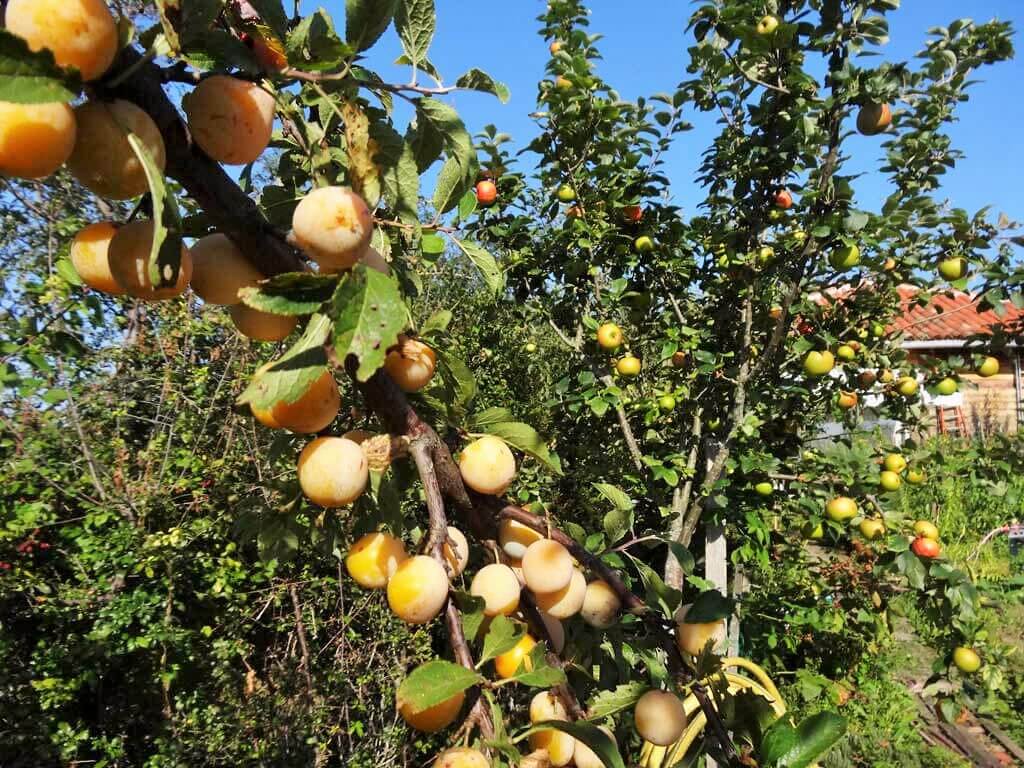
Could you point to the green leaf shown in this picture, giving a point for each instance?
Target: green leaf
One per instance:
(485, 263)
(683, 555)
(615, 495)
(452, 182)
(619, 699)
(399, 175)
(434, 682)
(710, 606)
(502, 636)
(658, 592)
(165, 253)
(777, 741)
(472, 610)
(293, 293)
(288, 378)
(814, 737)
(478, 80)
(432, 244)
(315, 45)
(370, 315)
(414, 22)
(366, 20)
(32, 78)
(524, 438)
(436, 323)
(543, 675)
(273, 14)
(480, 421)
(617, 523)
(68, 272)
(599, 741)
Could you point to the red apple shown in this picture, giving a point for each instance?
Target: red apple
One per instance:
(925, 548)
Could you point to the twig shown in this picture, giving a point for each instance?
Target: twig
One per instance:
(300, 630)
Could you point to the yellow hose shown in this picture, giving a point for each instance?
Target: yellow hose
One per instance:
(760, 674)
(681, 747)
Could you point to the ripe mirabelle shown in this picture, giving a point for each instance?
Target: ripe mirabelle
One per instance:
(547, 566)
(499, 587)
(220, 270)
(418, 589)
(333, 226)
(841, 508)
(847, 400)
(89, 254)
(230, 119)
(128, 258)
(103, 160)
(80, 33)
(660, 718)
(609, 336)
(261, 326)
(35, 139)
(374, 559)
(312, 412)
(461, 757)
(873, 118)
(411, 364)
(600, 605)
(584, 757)
(567, 601)
(506, 664)
(547, 706)
(456, 551)
(692, 638)
(432, 719)
(515, 537)
(487, 465)
(333, 471)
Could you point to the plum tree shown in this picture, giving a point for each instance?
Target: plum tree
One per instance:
(90, 257)
(103, 161)
(312, 412)
(456, 551)
(487, 465)
(514, 537)
(547, 566)
(333, 471)
(507, 664)
(411, 363)
(600, 605)
(128, 258)
(691, 638)
(659, 717)
(567, 601)
(80, 33)
(35, 139)
(333, 226)
(461, 757)
(261, 326)
(546, 706)
(499, 588)
(230, 119)
(373, 560)
(418, 590)
(220, 270)
(432, 719)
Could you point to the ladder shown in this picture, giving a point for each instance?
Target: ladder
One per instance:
(950, 421)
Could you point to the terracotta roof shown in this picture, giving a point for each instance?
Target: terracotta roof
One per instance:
(952, 315)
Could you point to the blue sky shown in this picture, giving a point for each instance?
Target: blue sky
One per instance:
(645, 51)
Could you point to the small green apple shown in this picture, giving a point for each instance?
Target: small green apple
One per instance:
(566, 193)
(841, 508)
(767, 25)
(845, 257)
(643, 244)
(890, 481)
(871, 528)
(907, 386)
(953, 268)
(895, 463)
(988, 367)
(813, 531)
(764, 488)
(819, 363)
(915, 476)
(666, 403)
(947, 386)
(846, 352)
(531, 347)
(967, 660)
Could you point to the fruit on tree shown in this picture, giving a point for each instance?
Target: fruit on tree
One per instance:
(847, 400)
(819, 363)
(841, 509)
(877, 330)
(90, 257)
(574, 212)
(873, 119)
(966, 659)
(261, 326)
(566, 193)
(846, 352)
(886, 376)
(678, 359)
(872, 528)
(456, 551)
(432, 719)
(461, 757)
(632, 213)
(507, 664)
(894, 462)
(609, 336)
(890, 481)
(764, 488)
(584, 757)
(889, 264)
(953, 268)
(767, 25)
(907, 386)
(659, 717)
(783, 199)
(487, 465)
(103, 160)
(989, 367)
(925, 548)
(765, 254)
(628, 366)
(499, 587)
(643, 244)
(915, 476)
(543, 707)
(514, 538)
(35, 139)
(486, 192)
(80, 33)
(866, 379)
(555, 47)
(230, 119)
(926, 529)
(333, 471)
(530, 347)
(220, 270)
(373, 560)
(667, 403)
(418, 589)
(947, 386)
(333, 226)
(547, 566)
(845, 257)
(816, 531)
(563, 83)
(600, 605)
(692, 638)
(411, 363)
(565, 602)
(128, 258)
(312, 412)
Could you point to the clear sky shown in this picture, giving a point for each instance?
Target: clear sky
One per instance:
(645, 51)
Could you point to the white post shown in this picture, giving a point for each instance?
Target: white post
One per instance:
(716, 561)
